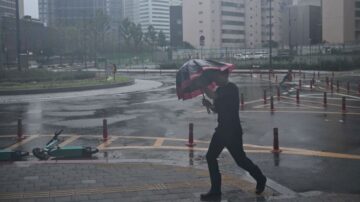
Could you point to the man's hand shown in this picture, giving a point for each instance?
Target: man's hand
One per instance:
(206, 103)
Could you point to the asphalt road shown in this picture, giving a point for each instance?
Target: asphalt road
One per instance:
(151, 109)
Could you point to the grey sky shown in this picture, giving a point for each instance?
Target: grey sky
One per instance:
(31, 8)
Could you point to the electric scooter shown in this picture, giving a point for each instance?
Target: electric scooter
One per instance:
(52, 149)
(9, 155)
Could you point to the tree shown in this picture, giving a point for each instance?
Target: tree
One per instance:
(150, 37)
(162, 39)
(137, 35)
(125, 31)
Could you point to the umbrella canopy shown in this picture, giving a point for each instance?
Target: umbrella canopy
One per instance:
(194, 72)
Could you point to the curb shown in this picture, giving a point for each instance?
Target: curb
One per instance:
(61, 90)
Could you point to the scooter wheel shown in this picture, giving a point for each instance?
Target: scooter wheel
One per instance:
(90, 151)
(40, 154)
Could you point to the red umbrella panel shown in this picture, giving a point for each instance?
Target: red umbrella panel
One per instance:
(198, 71)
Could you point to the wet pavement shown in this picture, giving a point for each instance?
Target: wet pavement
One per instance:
(146, 121)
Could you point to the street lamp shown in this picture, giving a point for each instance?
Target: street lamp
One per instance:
(18, 34)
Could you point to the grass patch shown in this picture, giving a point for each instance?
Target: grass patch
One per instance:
(8, 86)
(41, 75)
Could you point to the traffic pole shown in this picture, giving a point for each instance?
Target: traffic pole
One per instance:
(276, 147)
(325, 99)
(105, 130)
(191, 136)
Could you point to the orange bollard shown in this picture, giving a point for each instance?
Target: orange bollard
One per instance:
(19, 130)
(327, 81)
(265, 101)
(191, 136)
(297, 96)
(105, 130)
(276, 147)
(325, 99)
(344, 104)
(242, 104)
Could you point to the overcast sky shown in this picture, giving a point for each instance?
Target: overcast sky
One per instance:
(31, 8)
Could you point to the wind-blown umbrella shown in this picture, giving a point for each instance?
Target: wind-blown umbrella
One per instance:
(194, 72)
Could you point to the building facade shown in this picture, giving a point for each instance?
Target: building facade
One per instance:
(302, 26)
(69, 12)
(221, 23)
(339, 18)
(8, 8)
(176, 26)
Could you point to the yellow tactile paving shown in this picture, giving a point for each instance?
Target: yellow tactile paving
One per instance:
(22, 142)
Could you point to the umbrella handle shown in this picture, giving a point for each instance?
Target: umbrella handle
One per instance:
(207, 108)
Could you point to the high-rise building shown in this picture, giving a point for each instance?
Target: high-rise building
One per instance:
(176, 26)
(69, 12)
(277, 9)
(220, 23)
(308, 2)
(149, 12)
(357, 20)
(340, 20)
(8, 8)
(301, 25)
(157, 14)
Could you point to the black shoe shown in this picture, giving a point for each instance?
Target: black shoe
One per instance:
(210, 196)
(260, 185)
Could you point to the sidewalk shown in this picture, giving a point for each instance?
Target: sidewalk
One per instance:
(90, 181)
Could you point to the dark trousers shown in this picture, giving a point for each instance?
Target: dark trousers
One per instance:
(233, 142)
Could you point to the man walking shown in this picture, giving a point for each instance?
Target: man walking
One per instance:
(227, 134)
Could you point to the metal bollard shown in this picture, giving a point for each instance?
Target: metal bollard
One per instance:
(191, 136)
(300, 84)
(105, 130)
(332, 85)
(344, 104)
(272, 103)
(19, 130)
(276, 147)
(265, 101)
(278, 93)
(276, 79)
(311, 85)
(325, 99)
(318, 74)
